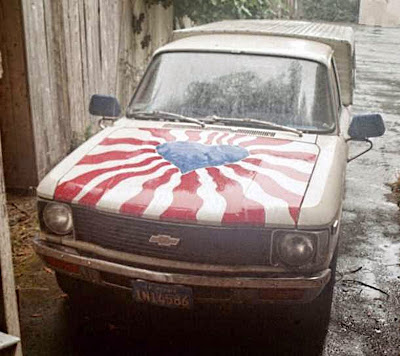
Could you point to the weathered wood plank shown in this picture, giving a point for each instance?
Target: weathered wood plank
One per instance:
(93, 46)
(47, 146)
(109, 36)
(126, 61)
(1, 66)
(160, 24)
(74, 66)
(7, 270)
(15, 116)
(57, 71)
(142, 38)
(76, 49)
(85, 76)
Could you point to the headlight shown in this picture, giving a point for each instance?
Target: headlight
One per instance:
(295, 249)
(58, 218)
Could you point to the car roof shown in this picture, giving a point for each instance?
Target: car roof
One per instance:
(253, 44)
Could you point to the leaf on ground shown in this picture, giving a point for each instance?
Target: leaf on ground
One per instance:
(36, 315)
(48, 270)
(21, 253)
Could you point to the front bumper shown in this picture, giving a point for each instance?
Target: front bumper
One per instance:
(242, 289)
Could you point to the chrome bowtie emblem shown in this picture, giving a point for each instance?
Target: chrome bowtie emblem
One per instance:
(164, 240)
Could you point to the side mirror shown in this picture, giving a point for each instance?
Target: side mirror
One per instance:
(363, 127)
(104, 106)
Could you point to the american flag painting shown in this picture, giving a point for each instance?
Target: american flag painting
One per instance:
(197, 176)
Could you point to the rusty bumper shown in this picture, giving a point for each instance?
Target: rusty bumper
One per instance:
(98, 271)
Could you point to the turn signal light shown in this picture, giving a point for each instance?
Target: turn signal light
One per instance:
(59, 264)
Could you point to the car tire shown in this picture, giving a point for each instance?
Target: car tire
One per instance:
(322, 305)
(77, 290)
(316, 314)
(311, 320)
(93, 305)
(82, 293)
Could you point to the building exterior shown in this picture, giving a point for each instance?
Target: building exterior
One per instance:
(380, 13)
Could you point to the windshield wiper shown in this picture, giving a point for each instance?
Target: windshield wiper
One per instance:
(215, 118)
(165, 115)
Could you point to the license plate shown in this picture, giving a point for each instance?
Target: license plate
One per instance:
(171, 296)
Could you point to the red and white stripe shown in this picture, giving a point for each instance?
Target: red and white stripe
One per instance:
(124, 173)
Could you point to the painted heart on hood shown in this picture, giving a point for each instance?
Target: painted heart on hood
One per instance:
(189, 156)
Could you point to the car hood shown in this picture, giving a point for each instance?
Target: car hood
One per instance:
(194, 176)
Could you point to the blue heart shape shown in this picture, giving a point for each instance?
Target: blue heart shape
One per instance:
(189, 156)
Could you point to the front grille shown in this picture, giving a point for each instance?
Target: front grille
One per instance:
(199, 244)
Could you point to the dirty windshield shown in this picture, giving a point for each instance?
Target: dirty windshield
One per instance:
(285, 91)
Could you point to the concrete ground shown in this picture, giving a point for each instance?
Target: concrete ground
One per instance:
(366, 321)
(366, 308)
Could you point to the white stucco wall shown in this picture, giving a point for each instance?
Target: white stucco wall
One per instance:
(380, 13)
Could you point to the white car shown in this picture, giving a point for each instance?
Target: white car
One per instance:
(224, 181)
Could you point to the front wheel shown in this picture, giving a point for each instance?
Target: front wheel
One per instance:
(316, 314)
(77, 290)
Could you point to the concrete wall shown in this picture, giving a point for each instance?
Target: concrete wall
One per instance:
(380, 13)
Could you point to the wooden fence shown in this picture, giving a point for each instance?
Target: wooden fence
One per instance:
(8, 298)
(15, 117)
(77, 48)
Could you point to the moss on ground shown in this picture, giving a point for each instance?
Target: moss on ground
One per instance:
(396, 190)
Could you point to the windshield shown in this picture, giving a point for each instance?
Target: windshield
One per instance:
(285, 91)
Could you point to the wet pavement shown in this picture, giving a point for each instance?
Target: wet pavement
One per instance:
(366, 321)
(366, 308)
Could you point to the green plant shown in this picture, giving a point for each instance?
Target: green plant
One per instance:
(77, 138)
(330, 10)
(165, 3)
(201, 11)
(89, 132)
